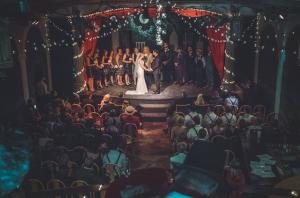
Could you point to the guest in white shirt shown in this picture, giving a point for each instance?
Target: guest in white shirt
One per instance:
(192, 113)
(210, 118)
(229, 118)
(193, 133)
(232, 100)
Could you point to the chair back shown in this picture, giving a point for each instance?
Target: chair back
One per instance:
(34, 185)
(245, 108)
(50, 166)
(55, 184)
(79, 183)
(89, 108)
(76, 108)
(229, 157)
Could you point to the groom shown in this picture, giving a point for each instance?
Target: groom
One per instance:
(155, 65)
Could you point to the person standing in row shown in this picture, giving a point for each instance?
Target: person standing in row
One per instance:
(89, 61)
(156, 67)
(112, 69)
(127, 60)
(106, 67)
(167, 63)
(199, 68)
(179, 63)
(98, 70)
(135, 56)
(190, 58)
(119, 66)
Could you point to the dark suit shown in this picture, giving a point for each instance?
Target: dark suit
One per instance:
(156, 72)
(179, 61)
(168, 67)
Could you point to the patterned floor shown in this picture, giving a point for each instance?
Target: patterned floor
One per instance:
(153, 148)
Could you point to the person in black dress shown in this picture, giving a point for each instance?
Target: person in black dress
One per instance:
(167, 66)
(179, 63)
(99, 75)
(119, 66)
(190, 65)
(112, 68)
(89, 62)
(200, 68)
(127, 60)
(135, 56)
(106, 67)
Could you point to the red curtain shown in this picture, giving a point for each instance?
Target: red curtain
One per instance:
(216, 43)
(192, 12)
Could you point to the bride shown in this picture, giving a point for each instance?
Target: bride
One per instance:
(143, 63)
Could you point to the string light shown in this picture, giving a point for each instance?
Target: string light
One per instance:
(81, 88)
(158, 23)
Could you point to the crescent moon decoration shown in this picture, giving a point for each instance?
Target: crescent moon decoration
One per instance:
(143, 20)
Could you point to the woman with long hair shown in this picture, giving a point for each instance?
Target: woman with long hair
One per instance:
(127, 65)
(119, 64)
(98, 69)
(112, 63)
(135, 55)
(106, 66)
(89, 61)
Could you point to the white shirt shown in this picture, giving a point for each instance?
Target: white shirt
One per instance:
(247, 117)
(118, 158)
(210, 118)
(229, 118)
(232, 101)
(191, 115)
(192, 134)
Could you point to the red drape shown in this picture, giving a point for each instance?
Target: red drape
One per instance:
(216, 43)
(192, 12)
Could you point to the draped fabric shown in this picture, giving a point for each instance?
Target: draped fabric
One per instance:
(193, 13)
(116, 12)
(216, 45)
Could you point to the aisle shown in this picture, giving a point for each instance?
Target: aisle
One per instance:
(153, 148)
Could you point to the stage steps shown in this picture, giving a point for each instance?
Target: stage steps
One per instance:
(153, 112)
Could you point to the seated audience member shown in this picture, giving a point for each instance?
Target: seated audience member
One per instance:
(179, 131)
(64, 172)
(210, 118)
(178, 159)
(218, 128)
(106, 105)
(229, 118)
(125, 104)
(200, 100)
(192, 113)
(232, 101)
(118, 158)
(129, 117)
(193, 132)
(114, 119)
(215, 98)
(87, 173)
(246, 116)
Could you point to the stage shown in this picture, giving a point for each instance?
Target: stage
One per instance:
(168, 92)
(153, 107)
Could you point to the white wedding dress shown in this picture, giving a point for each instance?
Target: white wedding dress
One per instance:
(141, 87)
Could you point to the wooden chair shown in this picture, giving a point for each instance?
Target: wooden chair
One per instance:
(33, 185)
(229, 157)
(89, 108)
(76, 108)
(245, 108)
(55, 184)
(72, 166)
(260, 112)
(81, 183)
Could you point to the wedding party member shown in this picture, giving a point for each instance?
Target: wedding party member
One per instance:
(143, 64)
(167, 63)
(135, 56)
(99, 75)
(190, 63)
(112, 68)
(179, 63)
(106, 67)
(199, 68)
(147, 59)
(119, 65)
(156, 67)
(89, 61)
(127, 60)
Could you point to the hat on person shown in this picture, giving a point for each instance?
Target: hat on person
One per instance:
(130, 110)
